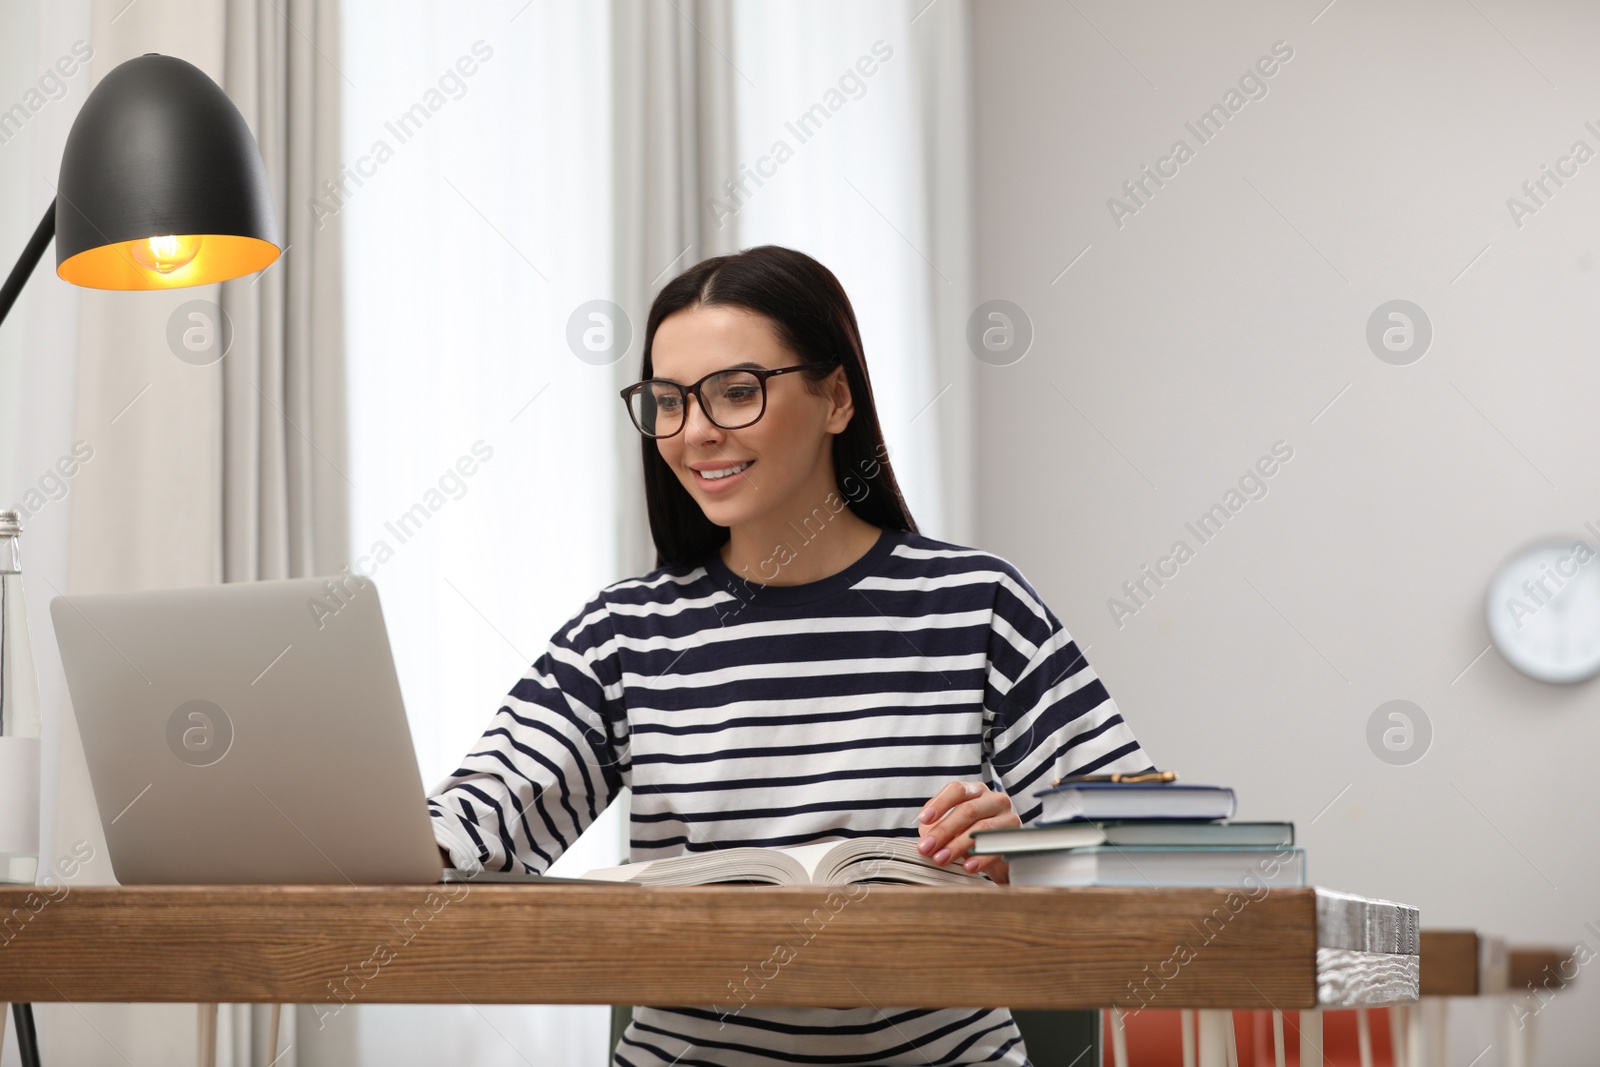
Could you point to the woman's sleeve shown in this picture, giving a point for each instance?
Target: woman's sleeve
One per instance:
(1046, 714)
(551, 759)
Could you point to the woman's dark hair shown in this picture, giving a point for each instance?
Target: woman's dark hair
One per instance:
(811, 316)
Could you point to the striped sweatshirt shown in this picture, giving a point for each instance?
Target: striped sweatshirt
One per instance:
(748, 714)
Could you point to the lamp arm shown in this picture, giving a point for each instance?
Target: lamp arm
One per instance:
(29, 259)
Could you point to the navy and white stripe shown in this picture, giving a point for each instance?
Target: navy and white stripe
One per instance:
(749, 714)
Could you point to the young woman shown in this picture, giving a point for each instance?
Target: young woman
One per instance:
(802, 666)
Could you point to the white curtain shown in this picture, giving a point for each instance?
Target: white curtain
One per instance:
(477, 224)
(38, 341)
(284, 491)
(209, 471)
(746, 122)
(584, 159)
(853, 146)
(674, 132)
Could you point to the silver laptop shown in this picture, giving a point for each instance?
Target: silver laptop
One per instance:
(249, 733)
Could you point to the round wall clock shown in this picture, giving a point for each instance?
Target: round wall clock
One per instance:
(1543, 609)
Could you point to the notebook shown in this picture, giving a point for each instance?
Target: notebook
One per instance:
(1105, 801)
(1168, 832)
(1149, 865)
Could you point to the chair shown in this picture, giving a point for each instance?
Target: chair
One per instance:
(1060, 1038)
(621, 1016)
(1155, 1038)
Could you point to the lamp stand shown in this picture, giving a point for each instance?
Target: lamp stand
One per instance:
(29, 259)
(27, 1042)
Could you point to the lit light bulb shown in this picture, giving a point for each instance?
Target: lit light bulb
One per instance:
(166, 254)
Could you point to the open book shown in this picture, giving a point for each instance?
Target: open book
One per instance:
(860, 859)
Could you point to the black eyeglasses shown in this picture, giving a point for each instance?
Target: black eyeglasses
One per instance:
(731, 399)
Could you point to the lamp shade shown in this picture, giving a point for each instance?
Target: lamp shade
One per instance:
(161, 185)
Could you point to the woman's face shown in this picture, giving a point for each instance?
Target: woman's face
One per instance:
(787, 450)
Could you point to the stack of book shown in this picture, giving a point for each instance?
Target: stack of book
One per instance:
(1145, 833)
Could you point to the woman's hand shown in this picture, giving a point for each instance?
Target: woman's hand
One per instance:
(946, 825)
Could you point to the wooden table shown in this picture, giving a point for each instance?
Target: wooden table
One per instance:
(868, 945)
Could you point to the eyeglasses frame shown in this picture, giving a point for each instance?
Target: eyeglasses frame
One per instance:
(685, 391)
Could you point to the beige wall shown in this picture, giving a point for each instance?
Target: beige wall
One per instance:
(1224, 316)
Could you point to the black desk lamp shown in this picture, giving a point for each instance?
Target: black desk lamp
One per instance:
(161, 187)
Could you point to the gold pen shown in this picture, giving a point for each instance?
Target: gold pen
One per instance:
(1152, 776)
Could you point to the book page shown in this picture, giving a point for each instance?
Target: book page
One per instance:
(820, 863)
(743, 864)
(623, 873)
(809, 856)
(888, 859)
(835, 862)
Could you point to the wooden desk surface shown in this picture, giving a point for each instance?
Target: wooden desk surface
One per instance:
(1462, 963)
(1017, 946)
